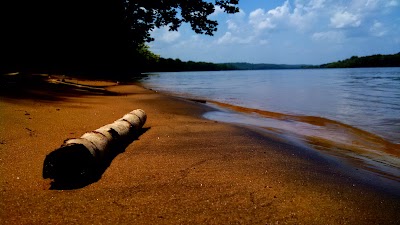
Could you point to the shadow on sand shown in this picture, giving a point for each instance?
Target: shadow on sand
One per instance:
(40, 88)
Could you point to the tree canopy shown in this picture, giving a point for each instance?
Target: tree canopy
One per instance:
(91, 35)
(142, 16)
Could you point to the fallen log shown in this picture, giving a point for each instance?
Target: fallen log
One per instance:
(79, 158)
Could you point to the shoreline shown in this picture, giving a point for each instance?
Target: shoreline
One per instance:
(373, 170)
(183, 169)
(266, 91)
(358, 148)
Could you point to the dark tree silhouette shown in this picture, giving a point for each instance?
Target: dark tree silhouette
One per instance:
(144, 15)
(93, 36)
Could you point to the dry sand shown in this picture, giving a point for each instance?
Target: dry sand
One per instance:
(182, 170)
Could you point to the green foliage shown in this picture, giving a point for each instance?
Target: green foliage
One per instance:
(144, 52)
(366, 61)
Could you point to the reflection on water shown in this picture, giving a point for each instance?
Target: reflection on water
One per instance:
(350, 113)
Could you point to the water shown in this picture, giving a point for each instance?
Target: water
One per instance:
(349, 113)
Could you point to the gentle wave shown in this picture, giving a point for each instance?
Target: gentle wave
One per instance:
(367, 150)
(363, 97)
(350, 113)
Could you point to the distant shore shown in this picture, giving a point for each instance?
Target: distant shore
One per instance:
(182, 169)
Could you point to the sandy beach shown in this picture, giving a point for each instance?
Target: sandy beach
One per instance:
(183, 169)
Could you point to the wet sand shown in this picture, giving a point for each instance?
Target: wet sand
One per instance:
(349, 144)
(182, 170)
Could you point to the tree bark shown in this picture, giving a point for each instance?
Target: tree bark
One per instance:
(79, 158)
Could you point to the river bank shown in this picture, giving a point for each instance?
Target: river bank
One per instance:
(183, 169)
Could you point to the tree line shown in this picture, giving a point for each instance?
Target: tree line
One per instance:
(366, 61)
(175, 65)
(156, 63)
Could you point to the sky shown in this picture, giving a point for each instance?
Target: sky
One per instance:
(289, 32)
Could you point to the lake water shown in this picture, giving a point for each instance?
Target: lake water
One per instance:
(352, 114)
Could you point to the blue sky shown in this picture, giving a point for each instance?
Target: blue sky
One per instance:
(289, 32)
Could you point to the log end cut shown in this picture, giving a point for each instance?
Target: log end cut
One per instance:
(71, 162)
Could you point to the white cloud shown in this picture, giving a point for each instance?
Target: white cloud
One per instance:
(367, 6)
(193, 42)
(377, 29)
(163, 34)
(308, 25)
(345, 19)
(309, 17)
(240, 14)
(170, 36)
(302, 17)
(308, 5)
(232, 25)
(280, 11)
(217, 10)
(228, 38)
(330, 36)
(262, 20)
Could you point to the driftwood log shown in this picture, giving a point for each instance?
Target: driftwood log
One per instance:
(79, 158)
